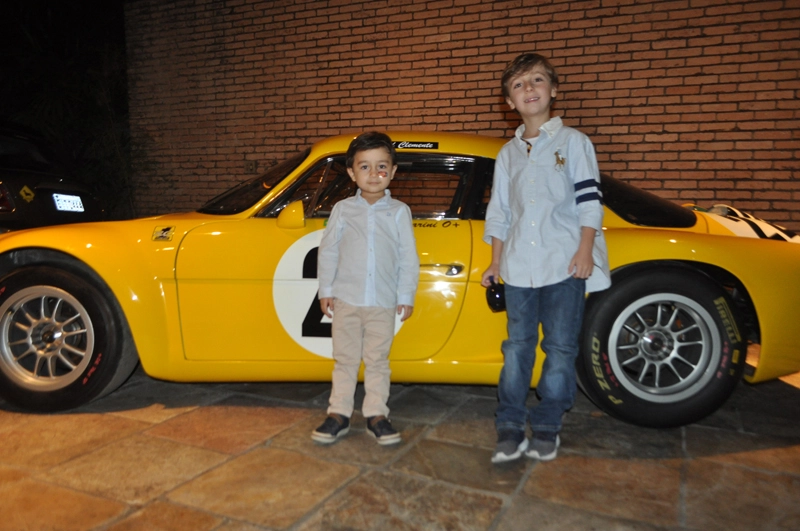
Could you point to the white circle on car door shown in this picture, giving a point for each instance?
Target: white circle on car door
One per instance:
(295, 294)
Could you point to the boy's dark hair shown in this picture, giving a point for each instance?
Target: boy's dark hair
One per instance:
(525, 63)
(370, 140)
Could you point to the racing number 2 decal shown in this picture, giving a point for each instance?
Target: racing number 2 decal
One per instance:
(312, 324)
(295, 295)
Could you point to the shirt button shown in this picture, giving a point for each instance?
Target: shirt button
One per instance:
(533, 223)
(533, 243)
(533, 201)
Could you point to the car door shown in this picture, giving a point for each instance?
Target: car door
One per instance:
(247, 288)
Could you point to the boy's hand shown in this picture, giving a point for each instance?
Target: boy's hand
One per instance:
(493, 272)
(404, 311)
(327, 306)
(581, 265)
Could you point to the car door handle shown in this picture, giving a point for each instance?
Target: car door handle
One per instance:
(450, 270)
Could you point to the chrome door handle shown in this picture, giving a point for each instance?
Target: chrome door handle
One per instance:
(451, 270)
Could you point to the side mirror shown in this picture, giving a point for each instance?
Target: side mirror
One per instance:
(292, 216)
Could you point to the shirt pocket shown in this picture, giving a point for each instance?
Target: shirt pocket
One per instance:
(554, 163)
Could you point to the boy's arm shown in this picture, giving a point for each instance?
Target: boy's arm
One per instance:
(328, 257)
(498, 212)
(492, 273)
(498, 220)
(585, 175)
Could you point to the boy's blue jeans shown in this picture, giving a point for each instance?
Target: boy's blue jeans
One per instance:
(559, 308)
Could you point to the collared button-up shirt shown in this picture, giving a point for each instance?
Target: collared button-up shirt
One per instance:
(541, 197)
(368, 254)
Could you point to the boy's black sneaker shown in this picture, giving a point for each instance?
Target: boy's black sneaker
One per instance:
(335, 426)
(381, 428)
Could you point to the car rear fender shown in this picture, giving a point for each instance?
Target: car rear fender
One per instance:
(763, 271)
(715, 274)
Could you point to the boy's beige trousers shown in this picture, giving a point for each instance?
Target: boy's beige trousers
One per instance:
(361, 332)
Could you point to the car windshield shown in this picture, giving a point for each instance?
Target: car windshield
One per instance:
(643, 208)
(248, 193)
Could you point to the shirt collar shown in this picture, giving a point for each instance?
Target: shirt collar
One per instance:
(385, 199)
(550, 127)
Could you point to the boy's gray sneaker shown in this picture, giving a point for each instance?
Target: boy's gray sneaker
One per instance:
(544, 448)
(510, 445)
(334, 427)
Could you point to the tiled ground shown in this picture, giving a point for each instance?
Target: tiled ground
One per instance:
(225, 457)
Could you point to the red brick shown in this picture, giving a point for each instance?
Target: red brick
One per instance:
(664, 88)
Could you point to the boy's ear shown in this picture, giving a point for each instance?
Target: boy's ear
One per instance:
(553, 93)
(510, 104)
(352, 174)
(394, 169)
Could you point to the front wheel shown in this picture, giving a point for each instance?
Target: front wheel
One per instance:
(62, 340)
(661, 349)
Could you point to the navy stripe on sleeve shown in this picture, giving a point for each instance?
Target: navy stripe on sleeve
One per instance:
(593, 196)
(588, 183)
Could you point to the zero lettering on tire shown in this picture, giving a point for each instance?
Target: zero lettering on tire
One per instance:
(661, 349)
(62, 342)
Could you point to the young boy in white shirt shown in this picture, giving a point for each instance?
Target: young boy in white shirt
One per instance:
(368, 270)
(544, 222)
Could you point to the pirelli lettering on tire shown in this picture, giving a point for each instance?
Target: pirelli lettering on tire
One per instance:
(727, 320)
(601, 367)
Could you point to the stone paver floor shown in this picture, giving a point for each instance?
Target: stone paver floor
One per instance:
(164, 456)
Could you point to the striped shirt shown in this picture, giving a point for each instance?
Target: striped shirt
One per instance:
(543, 193)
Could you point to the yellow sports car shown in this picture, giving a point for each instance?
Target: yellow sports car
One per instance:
(228, 293)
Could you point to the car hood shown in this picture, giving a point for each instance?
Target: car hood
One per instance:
(727, 220)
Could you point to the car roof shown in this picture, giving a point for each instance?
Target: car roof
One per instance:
(420, 141)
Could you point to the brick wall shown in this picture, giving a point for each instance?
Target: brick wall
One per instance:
(695, 100)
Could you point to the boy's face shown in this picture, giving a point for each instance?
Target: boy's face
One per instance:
(531, 93)
(372, 170)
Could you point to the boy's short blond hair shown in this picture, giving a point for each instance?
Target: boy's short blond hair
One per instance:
(525, 63)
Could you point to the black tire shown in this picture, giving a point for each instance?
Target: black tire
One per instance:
(63, 341)
(661, 349)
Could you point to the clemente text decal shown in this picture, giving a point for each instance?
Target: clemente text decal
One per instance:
(416, 145)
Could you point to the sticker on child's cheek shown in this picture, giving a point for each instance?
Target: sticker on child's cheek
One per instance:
(382, 174)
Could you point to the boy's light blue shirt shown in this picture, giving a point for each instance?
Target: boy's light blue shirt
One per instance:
(540, 200)
(368, 254)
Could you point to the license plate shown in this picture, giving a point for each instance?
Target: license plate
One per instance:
(68, 203)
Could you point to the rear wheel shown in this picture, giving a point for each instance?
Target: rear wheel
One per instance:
(661, 349)
(63, 342)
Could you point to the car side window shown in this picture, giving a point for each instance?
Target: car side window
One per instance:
(427, 189)
(480, 212)
(431, 185)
